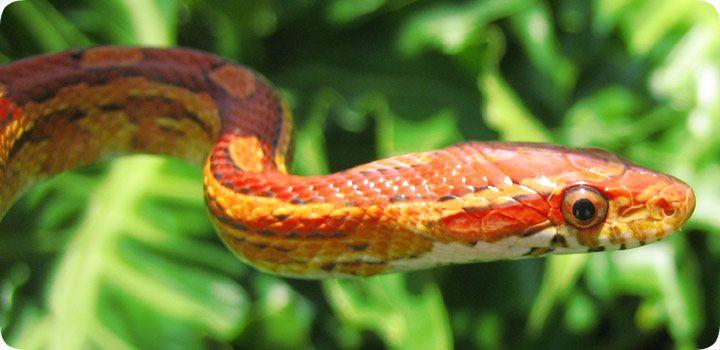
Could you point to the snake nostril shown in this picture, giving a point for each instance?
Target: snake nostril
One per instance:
(667, 208)
(677, 200)
(668, 211)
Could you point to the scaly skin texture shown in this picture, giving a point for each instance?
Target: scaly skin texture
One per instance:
(469, 202)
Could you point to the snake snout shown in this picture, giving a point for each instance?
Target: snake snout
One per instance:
(676, 204)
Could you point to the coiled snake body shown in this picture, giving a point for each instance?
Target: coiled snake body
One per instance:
(475, 201)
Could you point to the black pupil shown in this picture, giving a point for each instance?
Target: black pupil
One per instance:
(583, 210)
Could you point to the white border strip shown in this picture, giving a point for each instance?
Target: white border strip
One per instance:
(715, 346)
(4, 4)
(4, 346)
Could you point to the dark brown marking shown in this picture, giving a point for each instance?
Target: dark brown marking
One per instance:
(184, 112)
(168, 130)
(357, 247)
(479, 188)
(297, 201)
(77, 54)
(559, 241)
(29, 137)
(596, 249)
(537, 251)
(266, 233)
(535, 229)
(373, 262)
(398, 198)
(260, 245)
(112, 107)
(447, 198)
(282, 249)
(236, 239)
(321, 235)
(474, 209)
(327, 266)
(229, 221)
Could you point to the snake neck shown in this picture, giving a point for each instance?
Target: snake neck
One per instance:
(72, 109)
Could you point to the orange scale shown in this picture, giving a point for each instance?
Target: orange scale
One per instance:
(223, 167)
(253, 179)
(407, 191)
(286, 196)
(259, 188)
(346, 190)
(340, 184)
(327, 192)
(462, 226)
(280, 188)
(388, 190)
(304, 193)
(461, 190)
(497, 225)
(442, 190)
(310, 225)
(417, 182)
(477, 182)
(491, 174)
(359, 200)
(455, 181)
(535, 202)
(281, 227)
(527, 216)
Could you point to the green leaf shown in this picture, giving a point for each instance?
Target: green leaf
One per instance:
(117, 254)
(343, 11)
(451, 29)
(505, 113)
(535, 30)
(561, 274)
(384, 305)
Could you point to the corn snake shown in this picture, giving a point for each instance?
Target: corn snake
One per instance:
(476, 201)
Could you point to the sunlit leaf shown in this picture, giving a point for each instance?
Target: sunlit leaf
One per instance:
(452, 28)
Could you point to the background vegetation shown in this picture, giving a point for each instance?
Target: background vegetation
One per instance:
(122, 255)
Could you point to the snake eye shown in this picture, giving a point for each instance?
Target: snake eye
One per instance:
(584, 206)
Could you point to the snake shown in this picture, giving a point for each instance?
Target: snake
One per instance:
(469, 202)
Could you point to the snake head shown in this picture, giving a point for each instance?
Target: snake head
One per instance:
(604, 202)
(625, 206)
(545, 199)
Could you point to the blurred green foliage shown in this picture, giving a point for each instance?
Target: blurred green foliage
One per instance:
(122, 255)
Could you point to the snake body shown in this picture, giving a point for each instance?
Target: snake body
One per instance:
(476, 201)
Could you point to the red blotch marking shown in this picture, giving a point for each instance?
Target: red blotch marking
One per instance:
(8, 111)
